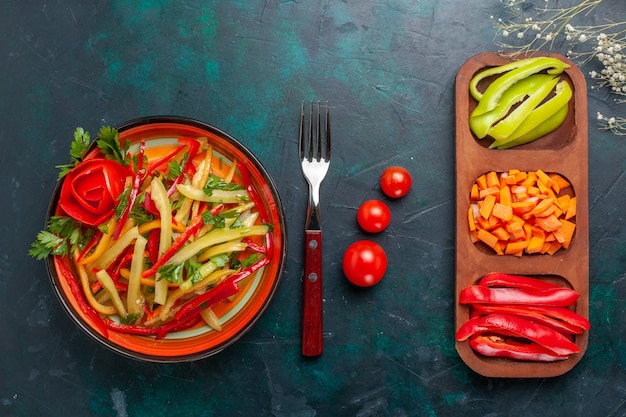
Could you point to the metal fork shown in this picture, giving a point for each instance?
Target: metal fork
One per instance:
(315, 160)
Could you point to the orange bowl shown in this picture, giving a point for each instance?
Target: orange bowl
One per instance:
(238, 314)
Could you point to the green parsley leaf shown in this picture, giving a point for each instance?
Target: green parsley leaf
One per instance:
(130, 318)
(217, 221)
(109, 144)
(216, 183)
(62, 234)
(220, 260)
(78, 149)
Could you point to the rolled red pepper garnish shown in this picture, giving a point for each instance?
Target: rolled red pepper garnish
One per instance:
(77, 292)
(558, 297)
(137, 179)
(521, 318)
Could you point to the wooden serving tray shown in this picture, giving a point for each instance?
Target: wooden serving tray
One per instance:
(563, 151)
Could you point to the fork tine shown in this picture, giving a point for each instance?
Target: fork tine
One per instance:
(311, 131)
(301, 142)
(327, 157)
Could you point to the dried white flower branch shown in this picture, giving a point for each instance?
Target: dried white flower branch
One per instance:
(524, 26)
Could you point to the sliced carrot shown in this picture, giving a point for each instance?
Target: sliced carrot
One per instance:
(487, 206)
(568, 229)
(492, 179)
(501, 233)
(535, 244)
(541, 206)
(563, 202)
(559, 183)
(481, 182)
(515, 247)
(474, 194)
(549, 224)
(494, 190)
(502, 212)
(521, 212)
(505, 196)
(571, 209)
(470, 219)
(486, 237)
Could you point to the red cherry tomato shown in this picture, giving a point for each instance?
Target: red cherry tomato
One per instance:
(373, 216)
(395, 182)
(364, 263)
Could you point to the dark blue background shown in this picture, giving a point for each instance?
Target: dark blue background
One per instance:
(387, 68)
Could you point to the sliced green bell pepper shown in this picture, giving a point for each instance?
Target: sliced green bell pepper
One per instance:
(473, 86)
(536, 117)
(480, 124)
(505, 128)
(491, 97)
(549, 125)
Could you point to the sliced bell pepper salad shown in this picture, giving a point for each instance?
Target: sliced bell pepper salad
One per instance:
(143, 269)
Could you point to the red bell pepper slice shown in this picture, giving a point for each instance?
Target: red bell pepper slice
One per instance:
(218, 293)
(500, 279)
(193, 145)
(536, 315)
(158, 331)
(92, 243)
(77, 293)
(194, 225)
(506, 324)
(163, 160)
(138, 178)
(247, 182)
(557, 297)
(153, 245)
(494, 345)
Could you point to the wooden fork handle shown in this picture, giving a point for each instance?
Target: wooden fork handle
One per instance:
(312, 344)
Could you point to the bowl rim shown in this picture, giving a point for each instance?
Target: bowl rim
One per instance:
(281, 257)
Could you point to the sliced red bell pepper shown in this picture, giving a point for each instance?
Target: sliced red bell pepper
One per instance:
(137, 179)
(158, 331)
(254, 246)
(494, 345)
(92, 243)
(193, 145)
(557, 297)
(218, 293)
(499, 279)
(536, 315)
(148, 204)
(163, 160)
(77, 293)
(194, 225)
(247, 182)
(506, 324)
(153, 245)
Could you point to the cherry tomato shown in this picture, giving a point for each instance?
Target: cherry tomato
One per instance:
(373, 216)
(395, 182)
(364, 263)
